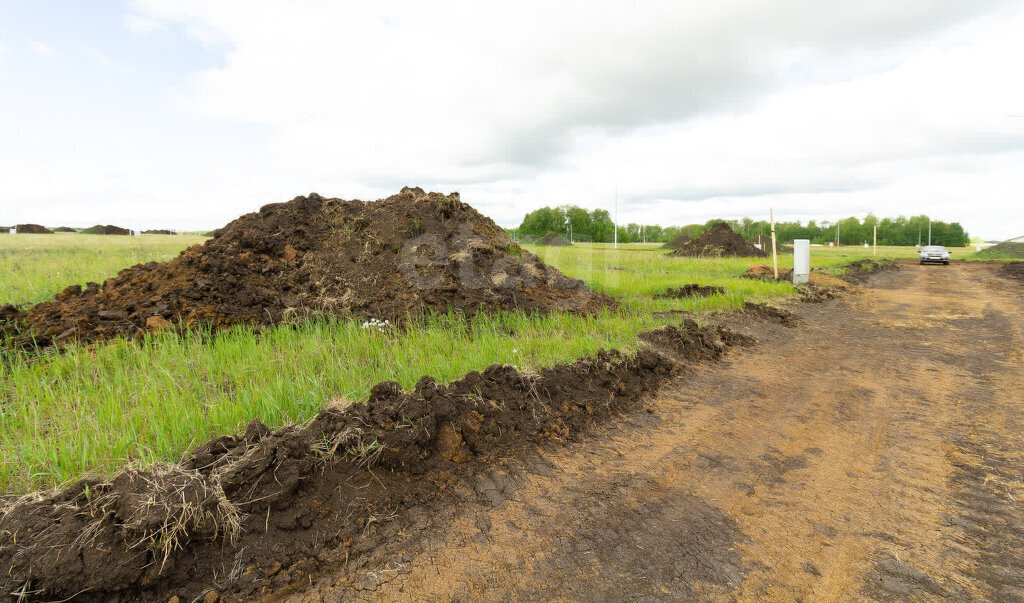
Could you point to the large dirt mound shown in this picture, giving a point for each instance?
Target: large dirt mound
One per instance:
(718, 241)
(385, 259)
(32, 229)
(1002, 251)
(109, 229)
(263, 509)
(766, 245)
(64, 229)
(677, 242)
(554, 239)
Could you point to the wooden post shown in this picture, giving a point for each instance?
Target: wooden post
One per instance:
(875, 235)
(775, 256)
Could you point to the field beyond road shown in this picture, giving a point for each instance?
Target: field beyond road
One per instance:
(97, 409)
(875, 451)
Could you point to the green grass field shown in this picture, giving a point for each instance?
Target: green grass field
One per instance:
(93, 410)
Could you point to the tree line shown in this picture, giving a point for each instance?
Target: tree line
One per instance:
(597, 226)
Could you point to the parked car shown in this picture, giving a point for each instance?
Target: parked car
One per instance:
(934, 253)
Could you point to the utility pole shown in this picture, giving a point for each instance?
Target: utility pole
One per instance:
(875, 237)
(615, 222)
(837, 234)
(775, 255)
(929, 230)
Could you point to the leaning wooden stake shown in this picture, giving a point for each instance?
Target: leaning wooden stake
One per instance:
(775, 256)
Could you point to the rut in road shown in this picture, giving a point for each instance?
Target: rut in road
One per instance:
(876, 451)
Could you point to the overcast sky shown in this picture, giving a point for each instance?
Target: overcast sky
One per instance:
(179, 114)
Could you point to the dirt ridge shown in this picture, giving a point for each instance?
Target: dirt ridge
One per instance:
(165, 530)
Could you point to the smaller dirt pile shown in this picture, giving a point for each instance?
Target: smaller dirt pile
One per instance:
(554, 239)
(691, 290)
(109, 229)
(677, 242)
(32, 229)
(64, 229)
(159, 232)
(1014, 270)
(1002, 251)
(718, 241)
(528, 239)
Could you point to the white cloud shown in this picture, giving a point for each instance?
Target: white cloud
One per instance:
(695, 109)
(42, 49)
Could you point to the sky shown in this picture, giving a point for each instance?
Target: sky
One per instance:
(185, 114)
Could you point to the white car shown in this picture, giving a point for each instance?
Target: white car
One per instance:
(934, 253)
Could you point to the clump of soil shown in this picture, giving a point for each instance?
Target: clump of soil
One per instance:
(109, 229)
(529, 239)
(691, 290)
(159, 232)
(64, 229)
(258, 510)
(859, 271)
(1014, 270)
(32, 229)
(772, 314)
(763, 272)
(766, 245)
(387, 259)
(677, 242)
(1002, 251)
(554, 239)
(718, 241)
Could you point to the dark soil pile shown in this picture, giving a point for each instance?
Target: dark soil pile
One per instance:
(766, 245)
(529, 239)
(677, 242)
(159, 231)
(32, 229)
(64, 229)
(859, 271)
(554, 239)
(1014, 270)
(109, 229)
(264, 509)
(1002, 251)
(691, 290)
(386, 259)
(718, 241)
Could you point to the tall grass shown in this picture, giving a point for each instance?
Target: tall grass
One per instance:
(91, 410)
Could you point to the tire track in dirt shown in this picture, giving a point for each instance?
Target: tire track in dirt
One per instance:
(874, 452)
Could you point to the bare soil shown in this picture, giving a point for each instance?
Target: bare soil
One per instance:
(1014, 270)
(691, 290)
(389, 259)
(108, 229)
(554, 239)
(32, 229)
(718, 241)
(876, 451)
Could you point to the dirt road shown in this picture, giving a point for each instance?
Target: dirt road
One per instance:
(875, 451)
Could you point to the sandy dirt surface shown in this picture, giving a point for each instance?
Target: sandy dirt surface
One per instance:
(874, 451)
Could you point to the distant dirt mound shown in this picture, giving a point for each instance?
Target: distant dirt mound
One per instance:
(677, 242)
(385, 259)
(691, 290)
(159, 232)
(529, 239)
(766, 245)
(109, 229)
(32, 229)
(64, 229)
(554, 239)
(718, 241)
(1002, 251)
